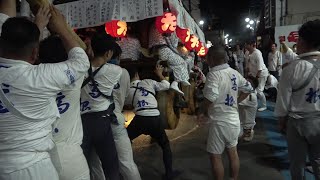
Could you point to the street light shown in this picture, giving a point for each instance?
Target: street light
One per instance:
(251, 22)
(248, 26)
(247, 19)
(226, 36)
(230, 40)
(201, 22)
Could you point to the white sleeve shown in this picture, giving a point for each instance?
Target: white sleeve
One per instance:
(3, 18)
(284, 93)
(260, 61)
(211, 88)
(279, 59)
(290, 55)
(161, 86)
(59, 75)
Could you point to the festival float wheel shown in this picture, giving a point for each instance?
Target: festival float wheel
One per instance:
(169, 114)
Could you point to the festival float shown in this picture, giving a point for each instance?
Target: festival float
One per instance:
(137, 19)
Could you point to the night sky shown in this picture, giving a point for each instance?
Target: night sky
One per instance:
(231, 13)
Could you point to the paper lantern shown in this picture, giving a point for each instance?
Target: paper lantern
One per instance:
(166, 23)
(197, 49)
(116, 28)
(183, 34)
(193, 43)
(203, 51)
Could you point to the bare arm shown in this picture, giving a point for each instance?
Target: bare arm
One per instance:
(8, 7)
(242, 96)
(159, 71)
(58, 25)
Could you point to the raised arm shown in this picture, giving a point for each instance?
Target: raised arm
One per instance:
(8, 7)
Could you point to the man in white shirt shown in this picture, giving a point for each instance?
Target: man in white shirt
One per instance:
(240, 58)
(97, 106)
(248, 111)
(67, 157)
(128, 168)
(274, 61)
(271, 87)
(220, 106)
(258, 69)
(147, 116)
(28, 102)
(298, 103)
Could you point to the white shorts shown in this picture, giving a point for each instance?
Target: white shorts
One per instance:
(41, 170)
(70, 162)
(221, 137)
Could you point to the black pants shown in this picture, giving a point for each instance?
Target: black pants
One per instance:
(151, 125)
(97, 134)
(272, 93)
(275, 74)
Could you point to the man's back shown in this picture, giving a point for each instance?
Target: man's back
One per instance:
(142, 96)
(221, 89)
(32, 90)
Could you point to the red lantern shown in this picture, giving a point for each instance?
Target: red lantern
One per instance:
(202, 51)
(197, 49)
(183, 34)
(166, 23)
(193, 43)
(116, 28)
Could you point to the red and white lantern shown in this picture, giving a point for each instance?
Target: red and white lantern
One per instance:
(193, 43)
(183, 34)
(166, 23)
(116, 28)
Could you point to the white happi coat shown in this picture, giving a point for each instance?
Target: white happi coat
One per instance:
(221, 88)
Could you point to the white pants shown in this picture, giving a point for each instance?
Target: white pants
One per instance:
(240, 65)
(262, 82)
(70, 162)
(247, 116)
(128, 168)
(221, 137)
(41, 170)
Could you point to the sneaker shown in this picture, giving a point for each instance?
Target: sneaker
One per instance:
(262, 109)
(248, 134)
(174, 86)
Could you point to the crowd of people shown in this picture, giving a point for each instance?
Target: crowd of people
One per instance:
(61, 105)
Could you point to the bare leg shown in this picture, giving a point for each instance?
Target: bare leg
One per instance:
(8, 7)
(234, 162)
(217, 166)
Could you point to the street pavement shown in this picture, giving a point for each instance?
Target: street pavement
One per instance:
(264, 158)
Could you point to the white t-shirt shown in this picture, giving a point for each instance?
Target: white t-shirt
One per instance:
(274, 60)
(106, 79)
(143, 99)
(130, 48)
(271, 82)
(33, 91)
(240, 56)
(305, 100)
(222, 86)
(289, 56)
(256, 63)
(120, 93)
(68, 128)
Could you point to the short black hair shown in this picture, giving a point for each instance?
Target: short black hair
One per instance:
(251, 42)
(274, 44)
(309, 32)
(217, 52)
(51, 50)
(116, 51)
(19, 36)
(132, 72)
(101, 43)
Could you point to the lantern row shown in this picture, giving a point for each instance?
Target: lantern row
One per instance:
(165, 24)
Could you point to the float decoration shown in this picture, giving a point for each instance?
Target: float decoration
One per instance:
(116, 28)
(202, 51)
(183, 34)
(166, 23)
